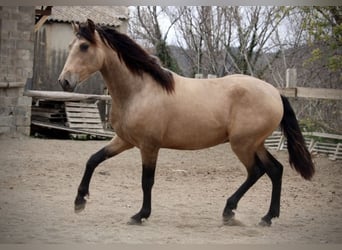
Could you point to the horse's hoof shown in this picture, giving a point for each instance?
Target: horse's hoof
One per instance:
(227, 216)
(229, 219)
(265, 223)
(134, 221)
(80, 204)
(232, 222)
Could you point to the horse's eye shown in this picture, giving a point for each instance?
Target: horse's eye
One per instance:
(84, 47)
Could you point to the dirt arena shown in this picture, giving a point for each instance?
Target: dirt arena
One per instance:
(39, 179)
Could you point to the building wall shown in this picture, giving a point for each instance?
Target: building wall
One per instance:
(16, 66)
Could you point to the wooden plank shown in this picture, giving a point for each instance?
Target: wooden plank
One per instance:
(325, 135)
(326, 145)
(338, 153)
(289, 92)
(64, 96)
(108, 134)
(85, 125)
(270, 141)
(81, 104)
(319, 93)
(284, 143)
(319, 147)
(12, 84)
(83, 120)
(81, 110)
(40, 23)
(85, 115)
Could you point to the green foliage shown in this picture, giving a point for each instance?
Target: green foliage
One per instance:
(309, 125)
(324, 27)
(164, 54)
(335, 63)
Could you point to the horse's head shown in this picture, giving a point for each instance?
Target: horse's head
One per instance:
(86, 56)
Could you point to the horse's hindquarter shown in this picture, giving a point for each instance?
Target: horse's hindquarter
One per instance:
(256, 109)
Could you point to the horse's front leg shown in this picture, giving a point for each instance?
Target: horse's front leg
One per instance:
(149, 160)
(115, 147)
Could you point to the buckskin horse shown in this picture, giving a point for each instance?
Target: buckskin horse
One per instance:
(154, 108)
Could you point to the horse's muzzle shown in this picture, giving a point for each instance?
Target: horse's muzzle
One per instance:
(67, 82)
(65, 85)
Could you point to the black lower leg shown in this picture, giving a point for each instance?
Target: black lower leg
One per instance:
(83, 189)
(275, 172)
(147, 182)
(232, 201)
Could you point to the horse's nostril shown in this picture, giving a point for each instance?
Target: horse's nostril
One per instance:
(65, 84)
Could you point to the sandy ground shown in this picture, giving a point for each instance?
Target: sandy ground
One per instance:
(39, 179)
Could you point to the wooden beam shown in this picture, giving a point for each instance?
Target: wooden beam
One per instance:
(44, 12)
(316, 93)
(323, 135)
(12, 84)
(64, 96)
(73, 130)
(289, 92)
(40, 23)
(319, 93)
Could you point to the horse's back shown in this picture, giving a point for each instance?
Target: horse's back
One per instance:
(232, 92)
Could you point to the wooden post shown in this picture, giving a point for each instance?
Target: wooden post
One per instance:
(210, 76)
(291, 78)
(40, 23)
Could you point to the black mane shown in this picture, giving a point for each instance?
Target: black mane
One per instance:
(133, 55)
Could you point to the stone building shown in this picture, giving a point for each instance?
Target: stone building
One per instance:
(16, 66)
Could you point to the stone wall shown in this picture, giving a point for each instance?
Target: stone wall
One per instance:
(16, 67)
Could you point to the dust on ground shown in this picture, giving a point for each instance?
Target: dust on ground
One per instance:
(39, 180)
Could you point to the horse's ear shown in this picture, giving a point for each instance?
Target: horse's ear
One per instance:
(75, 27)
(91, 25)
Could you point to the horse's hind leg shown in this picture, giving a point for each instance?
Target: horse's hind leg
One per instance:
(115, 147)
(255, 171)
(274, 170)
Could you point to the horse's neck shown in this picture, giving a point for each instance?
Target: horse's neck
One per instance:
(121, 83)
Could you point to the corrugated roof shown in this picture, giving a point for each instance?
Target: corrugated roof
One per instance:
(103, 15)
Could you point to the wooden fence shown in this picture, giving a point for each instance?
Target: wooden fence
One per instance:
(291, 89)
(320, 143)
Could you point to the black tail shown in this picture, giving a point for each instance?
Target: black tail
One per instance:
(299, 155)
